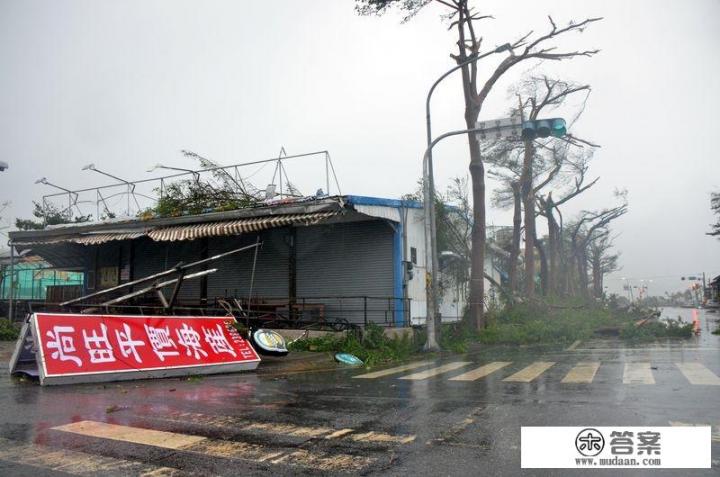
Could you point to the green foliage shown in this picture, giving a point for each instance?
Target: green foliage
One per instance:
(49, 215)
(536, 323)
(378, 7)
(513, 325)
(372, 346)
(9, 331)
(657, 329)
(195, 197)
(457, 337)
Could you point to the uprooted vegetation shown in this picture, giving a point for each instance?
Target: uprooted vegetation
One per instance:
(372, 346)
(548, 323)
(520, 324)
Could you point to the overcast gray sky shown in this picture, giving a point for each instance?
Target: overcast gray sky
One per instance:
(126, 84)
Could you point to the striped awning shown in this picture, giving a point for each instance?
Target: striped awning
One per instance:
(96, 239)
(235, 227)
(85, 239)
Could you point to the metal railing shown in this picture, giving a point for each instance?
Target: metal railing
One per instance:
(323, 313)
(138, 195)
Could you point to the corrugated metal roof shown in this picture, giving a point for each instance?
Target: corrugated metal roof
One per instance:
(379, 211)
(235, 227)
(96, 239)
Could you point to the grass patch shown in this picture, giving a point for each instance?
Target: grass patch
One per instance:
(9, 331)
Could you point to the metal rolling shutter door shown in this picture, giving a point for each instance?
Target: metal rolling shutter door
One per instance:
(347, 259)
(234, 272)
(153, 257)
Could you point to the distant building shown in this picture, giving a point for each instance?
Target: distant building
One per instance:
(714, 289)
(354, 258)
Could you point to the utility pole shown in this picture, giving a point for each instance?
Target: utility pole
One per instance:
(11, 307)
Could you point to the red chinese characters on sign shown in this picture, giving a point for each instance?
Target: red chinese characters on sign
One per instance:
(81, 344)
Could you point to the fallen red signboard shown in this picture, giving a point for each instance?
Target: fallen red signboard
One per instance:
(92, 348)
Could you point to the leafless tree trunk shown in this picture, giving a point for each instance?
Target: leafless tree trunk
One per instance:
(543, 265)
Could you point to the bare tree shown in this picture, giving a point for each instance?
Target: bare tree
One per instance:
(715, 207)
(541, 94)
(576, 166)
(470, 45)
(588, 226)
(526, 168)
(602, 260)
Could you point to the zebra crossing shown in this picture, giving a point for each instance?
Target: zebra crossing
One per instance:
(584, 372)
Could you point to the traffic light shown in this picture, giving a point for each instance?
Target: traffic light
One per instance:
(555, 127)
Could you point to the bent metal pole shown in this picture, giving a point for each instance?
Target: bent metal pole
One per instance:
(176, 269)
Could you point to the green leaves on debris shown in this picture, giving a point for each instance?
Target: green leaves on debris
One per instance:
(542, 323)
(8, 330)
(372, 345)
(658, 329)
(520, 324)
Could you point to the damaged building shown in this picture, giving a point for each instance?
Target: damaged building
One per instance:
(340, 259)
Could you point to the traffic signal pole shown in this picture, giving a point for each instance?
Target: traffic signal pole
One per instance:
(501, 128)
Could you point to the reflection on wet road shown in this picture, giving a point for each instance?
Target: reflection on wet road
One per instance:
(450, 416)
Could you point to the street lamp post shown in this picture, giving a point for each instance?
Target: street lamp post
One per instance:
(431, 262)
(195, 174)
(430, 252)
(72, 196)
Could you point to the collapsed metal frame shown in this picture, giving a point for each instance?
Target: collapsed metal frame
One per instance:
(104, 193)
(178, 272)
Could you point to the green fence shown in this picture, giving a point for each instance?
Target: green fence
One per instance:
(32, 280)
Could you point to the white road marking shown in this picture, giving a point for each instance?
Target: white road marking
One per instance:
(135, 435)
(373, 436)
(583, 372)
(697, 373)
(435, 371)
(529, 373)
(319, 461)
(77, 463)
(575, 344)
(638, 373)
(234, 423)
(389, 371)
(481, 372)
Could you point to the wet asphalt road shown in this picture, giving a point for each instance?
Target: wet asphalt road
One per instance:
(285, 419)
